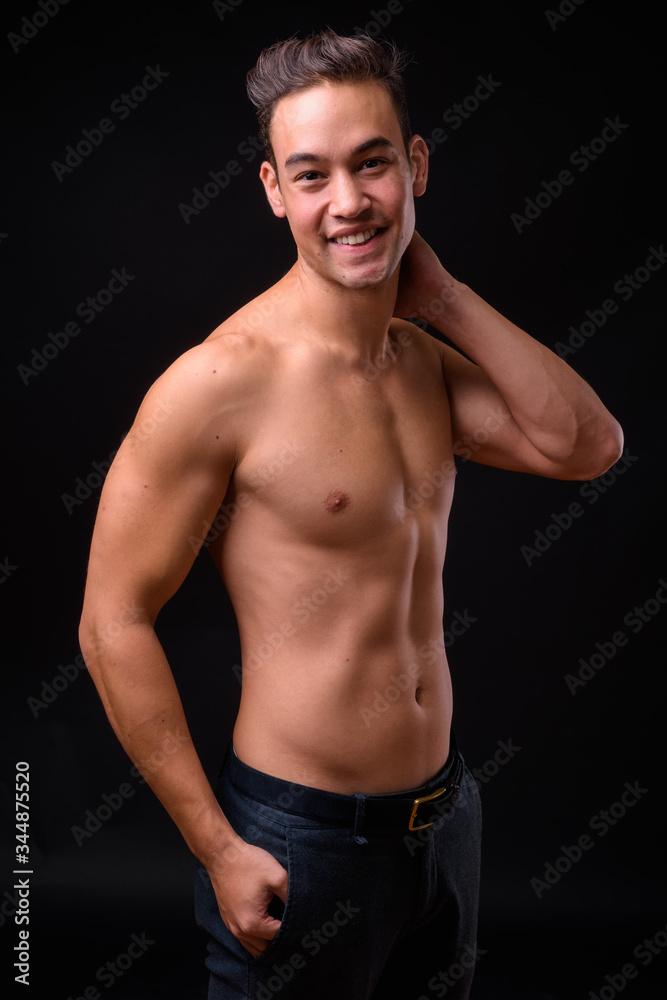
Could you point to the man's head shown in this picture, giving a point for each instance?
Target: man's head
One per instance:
(342, 165)
(298, 64)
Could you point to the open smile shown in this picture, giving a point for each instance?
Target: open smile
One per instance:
(357, 238)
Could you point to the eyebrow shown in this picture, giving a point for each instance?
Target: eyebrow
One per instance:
(378, 141)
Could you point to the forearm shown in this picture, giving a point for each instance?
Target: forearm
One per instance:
(554, 407)
(143, 705)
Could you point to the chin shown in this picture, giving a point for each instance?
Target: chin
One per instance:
(373, 276)
(363, 281)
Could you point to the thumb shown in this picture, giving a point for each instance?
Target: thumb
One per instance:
(280, 884)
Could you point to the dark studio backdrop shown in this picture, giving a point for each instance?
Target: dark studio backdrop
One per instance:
(546, 195)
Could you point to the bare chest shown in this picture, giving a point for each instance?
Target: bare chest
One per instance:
(345, 459)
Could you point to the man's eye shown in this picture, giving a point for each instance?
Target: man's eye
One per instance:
(310, 175)
(374, 162)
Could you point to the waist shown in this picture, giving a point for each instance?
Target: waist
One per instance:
(372, 719)
(407, 809)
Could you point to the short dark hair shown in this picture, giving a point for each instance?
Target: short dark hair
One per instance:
(300, 63)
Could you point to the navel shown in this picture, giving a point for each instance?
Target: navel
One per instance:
(336, 500)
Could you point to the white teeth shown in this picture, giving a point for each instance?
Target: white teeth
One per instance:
(357, 238)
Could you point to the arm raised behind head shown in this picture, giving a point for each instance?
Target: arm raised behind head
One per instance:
(522, 407)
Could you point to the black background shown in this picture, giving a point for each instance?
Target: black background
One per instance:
(119, 208)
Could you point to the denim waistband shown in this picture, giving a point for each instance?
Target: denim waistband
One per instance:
(395, 810)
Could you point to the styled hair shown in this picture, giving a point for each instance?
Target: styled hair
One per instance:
(297, 64)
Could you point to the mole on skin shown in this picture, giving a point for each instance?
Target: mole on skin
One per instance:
(337, 500)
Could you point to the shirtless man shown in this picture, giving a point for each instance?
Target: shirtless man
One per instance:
(334, 564)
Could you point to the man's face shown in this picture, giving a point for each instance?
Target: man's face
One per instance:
(343, 173)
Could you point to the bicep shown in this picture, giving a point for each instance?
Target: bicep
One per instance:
(159, 499)
(483, 428)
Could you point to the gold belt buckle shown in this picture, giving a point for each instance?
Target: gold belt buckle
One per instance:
(418, 802)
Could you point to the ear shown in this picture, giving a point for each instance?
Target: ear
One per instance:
(419, 164)
(270, 181)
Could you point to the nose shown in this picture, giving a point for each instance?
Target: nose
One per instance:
(346, 197)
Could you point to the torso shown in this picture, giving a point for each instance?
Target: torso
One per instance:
(332, 554)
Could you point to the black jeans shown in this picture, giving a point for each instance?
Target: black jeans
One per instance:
(374, 909)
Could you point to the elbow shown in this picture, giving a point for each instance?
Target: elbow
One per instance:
(95, 636)
(89, 644)
(106, 624)
(599, 456)
(613, 449)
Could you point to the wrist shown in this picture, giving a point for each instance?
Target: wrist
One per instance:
(215, 841)
(447, 299)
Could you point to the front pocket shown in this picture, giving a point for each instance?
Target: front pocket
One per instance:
(286, 859)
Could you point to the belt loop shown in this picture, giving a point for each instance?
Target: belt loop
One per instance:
(359, 819)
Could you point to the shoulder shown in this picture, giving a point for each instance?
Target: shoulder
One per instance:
(231, 366)
(407, 334)
(202, 407)
(454, 364)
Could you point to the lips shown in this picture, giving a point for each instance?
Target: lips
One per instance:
(355, 238)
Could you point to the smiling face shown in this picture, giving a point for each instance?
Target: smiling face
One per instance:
(344, 181)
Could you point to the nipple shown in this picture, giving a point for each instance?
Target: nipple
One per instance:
(337, 500)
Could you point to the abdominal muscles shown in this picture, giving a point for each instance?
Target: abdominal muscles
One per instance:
(347, 687)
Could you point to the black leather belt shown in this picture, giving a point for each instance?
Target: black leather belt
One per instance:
(402, 811)
(420, 810)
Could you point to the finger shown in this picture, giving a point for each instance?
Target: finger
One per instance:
(268, 928)
(252, 948)
(280, 887)
(259, 941)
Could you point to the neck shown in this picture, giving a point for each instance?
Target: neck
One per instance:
(354, 321)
